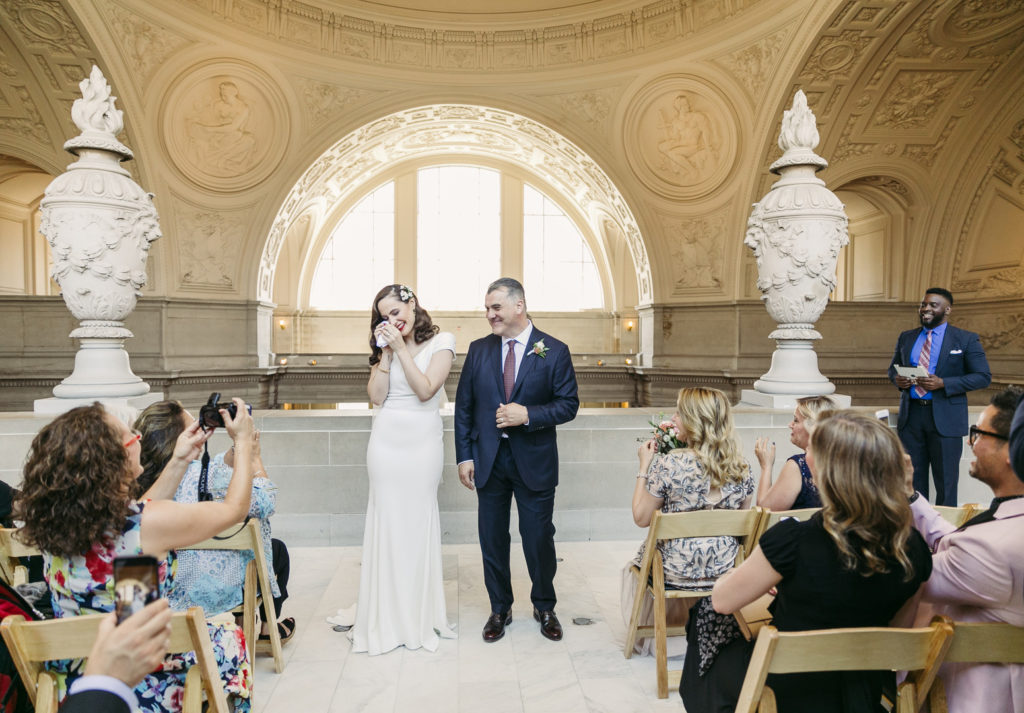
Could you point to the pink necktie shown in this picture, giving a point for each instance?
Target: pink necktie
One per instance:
(509, 372)
(924, 359)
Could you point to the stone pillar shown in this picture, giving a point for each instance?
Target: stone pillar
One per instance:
(99, 223)
(796, 232)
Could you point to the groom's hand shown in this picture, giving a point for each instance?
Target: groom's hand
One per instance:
(509, 415)
(466, 473)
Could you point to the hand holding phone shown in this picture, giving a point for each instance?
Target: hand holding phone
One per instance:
(136, 584)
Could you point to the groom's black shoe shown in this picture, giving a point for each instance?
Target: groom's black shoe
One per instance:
(494, 629)
(549, 625)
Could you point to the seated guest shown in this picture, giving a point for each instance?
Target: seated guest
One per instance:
(795, 488)
(212, 579)
(120, 658)
(978, 568)
(854, 563)
(77, 505)
(709, 473)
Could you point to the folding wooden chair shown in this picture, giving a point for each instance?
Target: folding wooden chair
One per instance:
(773, 517)
(650, 575)
(12, 571)
(957, 516)
(978, 643)
(32, 643)
(918, 651)
(240, 539)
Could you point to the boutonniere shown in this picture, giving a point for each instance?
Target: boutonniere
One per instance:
(539, 349)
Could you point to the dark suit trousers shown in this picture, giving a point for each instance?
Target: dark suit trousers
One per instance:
(93, 702)
(535, 526)
(927, 446)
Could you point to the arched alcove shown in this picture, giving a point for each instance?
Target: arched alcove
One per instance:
(25, 267)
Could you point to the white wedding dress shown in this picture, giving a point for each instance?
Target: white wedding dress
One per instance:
(401, 586)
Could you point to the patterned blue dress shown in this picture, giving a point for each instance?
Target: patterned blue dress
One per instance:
(85, 585)
(212, 579)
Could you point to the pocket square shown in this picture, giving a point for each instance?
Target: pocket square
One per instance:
(956, 351)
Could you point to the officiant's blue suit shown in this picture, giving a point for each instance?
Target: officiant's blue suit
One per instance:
(525, 464)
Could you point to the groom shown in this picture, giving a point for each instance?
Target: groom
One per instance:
(516, 386)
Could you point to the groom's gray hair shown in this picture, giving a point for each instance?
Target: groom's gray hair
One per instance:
(512, 286)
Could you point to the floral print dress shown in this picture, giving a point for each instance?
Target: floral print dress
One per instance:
(85, 585)
(679, 478)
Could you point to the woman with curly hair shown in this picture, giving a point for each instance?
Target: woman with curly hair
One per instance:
(709, 473)
(855, 563)
(401, 587)
(78, 508)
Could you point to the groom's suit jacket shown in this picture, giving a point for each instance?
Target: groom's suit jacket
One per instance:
(546, 386)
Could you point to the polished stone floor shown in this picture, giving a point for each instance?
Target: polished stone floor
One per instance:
(523, 672)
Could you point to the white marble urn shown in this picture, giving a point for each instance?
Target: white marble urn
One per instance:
(99, 224)
(796, 232)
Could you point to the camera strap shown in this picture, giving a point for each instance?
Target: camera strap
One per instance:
(204, 490)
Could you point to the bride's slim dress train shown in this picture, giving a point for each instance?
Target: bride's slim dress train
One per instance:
(401, 585)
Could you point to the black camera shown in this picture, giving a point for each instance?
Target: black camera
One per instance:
(209, 415)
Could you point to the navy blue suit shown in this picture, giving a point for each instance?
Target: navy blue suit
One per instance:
(93, 701)
(525, 464)
(933, 433)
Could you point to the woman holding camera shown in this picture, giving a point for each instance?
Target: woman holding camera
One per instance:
(401, 587)
(212, 579)
(78, 509)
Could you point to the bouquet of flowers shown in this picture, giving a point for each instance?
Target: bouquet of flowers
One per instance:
(667, 436)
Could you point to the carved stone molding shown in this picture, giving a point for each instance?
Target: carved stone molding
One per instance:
(696, 245)
(322, 27)
(590, 107)
(680, 137)
(356, 159)
(44, 24)
(144, 45)
(209, 244)
(325, 102)
(223, 123)
(755, 64)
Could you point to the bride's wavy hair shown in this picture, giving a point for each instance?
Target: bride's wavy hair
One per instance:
(423, 328)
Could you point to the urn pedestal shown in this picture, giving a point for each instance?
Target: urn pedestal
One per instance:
(796, 232)
(99, 224)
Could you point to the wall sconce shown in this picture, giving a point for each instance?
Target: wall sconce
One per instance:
(629, 325)
(629, 362)
(282, 324)
(600, 362)
(283, 361)
(312, 362)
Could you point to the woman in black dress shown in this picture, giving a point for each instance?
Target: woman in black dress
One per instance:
(855, 563)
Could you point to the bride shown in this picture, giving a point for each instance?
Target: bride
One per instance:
(401, 588)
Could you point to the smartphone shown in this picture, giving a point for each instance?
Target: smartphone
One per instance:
(136, 584)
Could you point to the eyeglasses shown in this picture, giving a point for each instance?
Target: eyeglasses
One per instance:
(974, 432)
(136, 437)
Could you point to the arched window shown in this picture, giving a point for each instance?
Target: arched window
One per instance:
(359, 257)
(462, 226)
(557, 263)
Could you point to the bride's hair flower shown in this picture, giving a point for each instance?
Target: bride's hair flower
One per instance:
(404, 293)
(539, 349)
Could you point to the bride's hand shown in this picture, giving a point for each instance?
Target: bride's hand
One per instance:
(394, 338)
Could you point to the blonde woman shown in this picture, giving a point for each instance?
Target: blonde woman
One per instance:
(710, 473)
(795, 487)
(855, 563)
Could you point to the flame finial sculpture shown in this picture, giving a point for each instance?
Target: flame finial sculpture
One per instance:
(99, 224)
(796, 232)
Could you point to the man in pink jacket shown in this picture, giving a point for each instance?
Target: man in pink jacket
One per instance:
(978, 568)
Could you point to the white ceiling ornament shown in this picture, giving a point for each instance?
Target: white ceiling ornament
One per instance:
(443, 129)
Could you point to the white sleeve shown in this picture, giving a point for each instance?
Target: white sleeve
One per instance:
(444, 340)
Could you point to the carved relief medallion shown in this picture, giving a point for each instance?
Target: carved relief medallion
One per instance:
(680, 137)
(223, 125)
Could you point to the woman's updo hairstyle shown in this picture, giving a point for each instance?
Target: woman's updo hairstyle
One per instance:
(423, 328)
